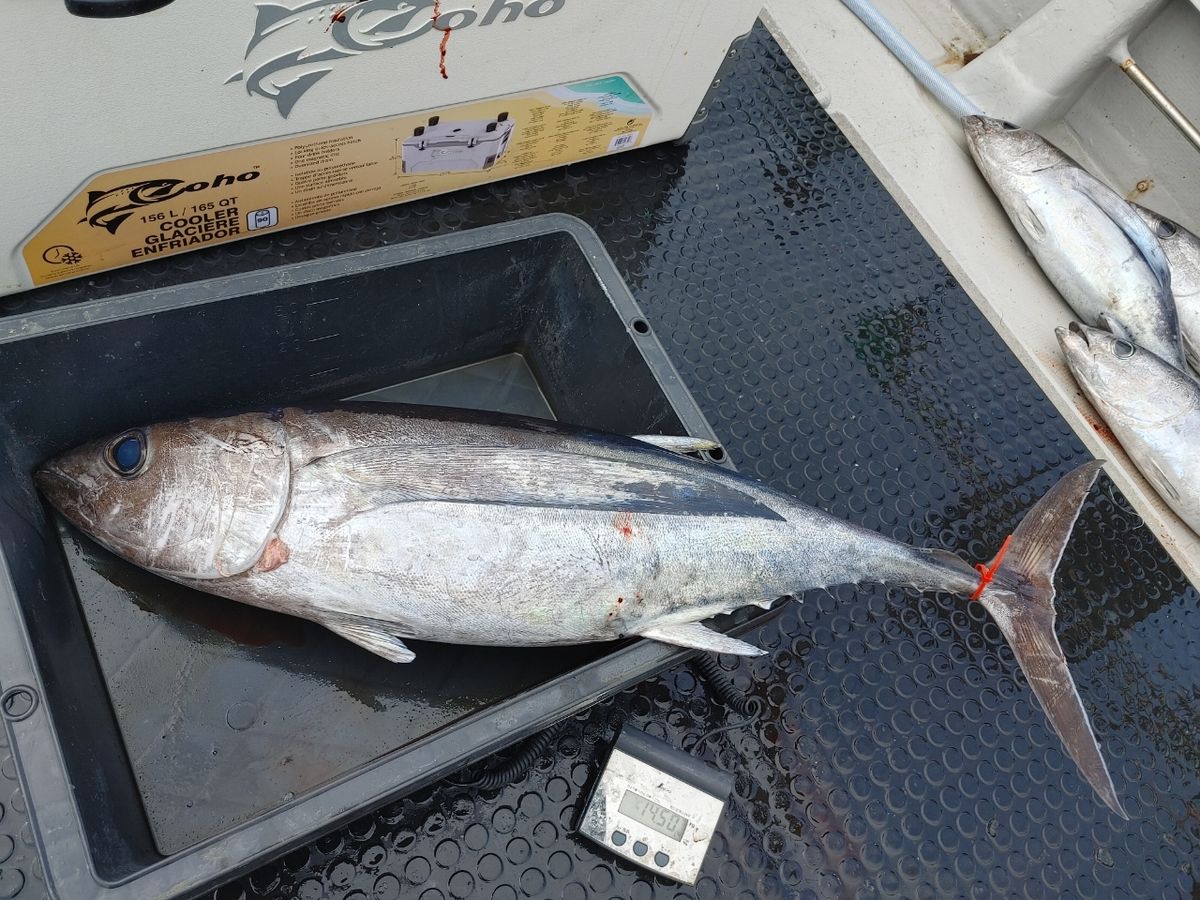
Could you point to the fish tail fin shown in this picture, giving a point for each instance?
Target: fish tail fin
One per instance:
(1018, 591)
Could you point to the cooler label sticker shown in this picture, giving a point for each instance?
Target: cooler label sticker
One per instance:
(124, 216)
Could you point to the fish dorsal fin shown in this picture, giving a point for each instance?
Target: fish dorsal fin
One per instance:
(1123, 215)
(699, 637)
(515, 476)
(676, 443)
(378, 637)
(270, 17)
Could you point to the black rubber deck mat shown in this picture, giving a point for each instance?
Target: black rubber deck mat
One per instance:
(902, 753)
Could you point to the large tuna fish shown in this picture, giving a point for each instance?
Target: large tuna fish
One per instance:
(384, 523)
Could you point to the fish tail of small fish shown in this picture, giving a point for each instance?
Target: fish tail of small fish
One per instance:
(1017, 589)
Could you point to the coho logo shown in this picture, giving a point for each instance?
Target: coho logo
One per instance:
(327, 32)
(108, 209)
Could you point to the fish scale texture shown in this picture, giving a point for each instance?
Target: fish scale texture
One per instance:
(900, 753)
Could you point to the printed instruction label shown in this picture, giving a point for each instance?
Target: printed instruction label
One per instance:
(127, 215)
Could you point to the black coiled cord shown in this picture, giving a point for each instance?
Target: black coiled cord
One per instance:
(499, 775)
(722, 685)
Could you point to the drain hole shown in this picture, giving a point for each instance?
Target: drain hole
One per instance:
(716, 454)
(18, 703)
(641, 326)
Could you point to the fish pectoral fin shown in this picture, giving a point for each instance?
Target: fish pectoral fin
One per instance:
(1032, 222)
(677, 443)
(1122, 214)
(1113, 326)
(373, 636)
(698, 637)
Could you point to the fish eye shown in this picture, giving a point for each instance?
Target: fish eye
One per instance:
(1009, 126)
(1122, 349)
(127, 453)
(1165, 229)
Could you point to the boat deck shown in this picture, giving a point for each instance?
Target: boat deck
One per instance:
(838, 359)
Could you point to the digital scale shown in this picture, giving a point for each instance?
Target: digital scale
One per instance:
(656, 806)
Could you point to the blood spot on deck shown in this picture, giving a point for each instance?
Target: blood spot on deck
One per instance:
(274, 556)
(1100, 428)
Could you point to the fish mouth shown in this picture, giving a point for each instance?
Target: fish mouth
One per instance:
(974, 127)
(60, 489)
(1073, 340)
(50, 480)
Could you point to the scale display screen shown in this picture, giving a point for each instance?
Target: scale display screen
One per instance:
(652, 815)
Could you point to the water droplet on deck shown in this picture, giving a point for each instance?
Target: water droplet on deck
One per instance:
(241, 715)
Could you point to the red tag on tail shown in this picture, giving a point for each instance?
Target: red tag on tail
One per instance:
(986, 573)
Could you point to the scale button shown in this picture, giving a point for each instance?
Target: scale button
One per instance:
(661, 859)
(639, 849)
(618, 838)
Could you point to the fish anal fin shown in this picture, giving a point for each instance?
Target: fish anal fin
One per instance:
(677, 443)
(698, 637)
(373, 636)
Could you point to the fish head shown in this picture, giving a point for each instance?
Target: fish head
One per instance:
(1164, 229)
(197, 499)
(1002, 148)
(1122, 378)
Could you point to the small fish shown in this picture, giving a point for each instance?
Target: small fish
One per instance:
(1088, 240)
(1151, 407)
(108, 209)
(1182, 249)
(386, 522)
(293, 47)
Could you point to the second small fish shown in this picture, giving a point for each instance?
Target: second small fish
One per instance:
(1152, 408)
(1183, 254)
